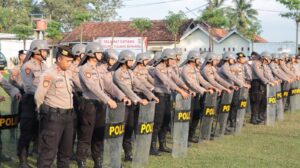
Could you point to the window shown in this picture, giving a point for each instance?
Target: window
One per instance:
(233, 49)
(248, 48)
(224, 49)
(204, 49)
(209, 49)
(242, 49)
(200, 49)
(228, 49)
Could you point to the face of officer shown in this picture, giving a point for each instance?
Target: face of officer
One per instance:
(98, 56)
(242, 60)
(111, 62)
(197, 62)
(215, 62)
(145, 62)
(171, 62)
(231, 61)
(44, 54)
(129, 63)
(22, 57)
(64, 62)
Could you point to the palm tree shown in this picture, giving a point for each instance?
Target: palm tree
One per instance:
(215, 3)
(243, 15)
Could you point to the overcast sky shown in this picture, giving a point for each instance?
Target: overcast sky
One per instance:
(275, 28)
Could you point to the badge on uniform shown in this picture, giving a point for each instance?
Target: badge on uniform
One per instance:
(27, 71)
(88, 74)
(46, 81)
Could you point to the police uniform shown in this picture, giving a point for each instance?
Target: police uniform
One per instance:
(54, 99)
(94, 90)
(30, 74)
(135, 90)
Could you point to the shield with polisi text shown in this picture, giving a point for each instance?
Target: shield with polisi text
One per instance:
(279, 105)
(143, 135)
(182, 116)
(209, 112)
(242, 106)
(114, 131)
(271, 105)
(223, 112)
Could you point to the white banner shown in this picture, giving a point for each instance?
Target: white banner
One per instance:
(135, 44)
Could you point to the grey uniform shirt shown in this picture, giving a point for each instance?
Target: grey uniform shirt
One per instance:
(258, 72)
(191, 78)
(284, 67)
(277, 71)
(9, 89)
(30, 74)
(143, 75)
(95, 85)
(55, 89)
(129, 84)
(229, 72)
(212, 76)
(268, 73)
(163, 79)
(248, 72)
(74, 74)
(15, 77)
(239, 71)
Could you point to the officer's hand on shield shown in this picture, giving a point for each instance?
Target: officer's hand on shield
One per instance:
(184, 94)
(228, 91)
(143, 102)
(112, 104)
(2, 98)
(18, 96)
(247, 86)
(210, 91)
(156, 99)
(127, 101)
(193, 93)
(272, 84)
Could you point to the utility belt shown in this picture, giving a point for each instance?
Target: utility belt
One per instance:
(162, 94)
(50, 109)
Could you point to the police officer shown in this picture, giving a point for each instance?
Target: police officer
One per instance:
(94, 88)
(54, 101)
(141, 70)
(15, 80)
(178, 58)
(277, 71)
(283, 66)
(193, 79)
(258, 89)
(30, 73)
(15, 94)
(77, 52)
(135, 90)
(165, 81)
(155, 59)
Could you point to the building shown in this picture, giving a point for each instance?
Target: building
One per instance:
(193, 35)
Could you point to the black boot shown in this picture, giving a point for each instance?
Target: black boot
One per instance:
(128, 157)
(98, 163)
(81, 164)
(192, 137)
(163, 143)
(254, 119)
(153, 149)
(23, 159)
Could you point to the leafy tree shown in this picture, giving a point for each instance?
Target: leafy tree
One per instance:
(294, 14)
(173, 23)
(142, 25)
(23, 32)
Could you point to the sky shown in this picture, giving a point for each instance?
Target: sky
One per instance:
(275, 28)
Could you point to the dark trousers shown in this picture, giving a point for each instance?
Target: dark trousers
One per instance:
(258, 98)
(196, 108)
(86, 121)
(55, 138)
(234, 108)
(162, 117)
(28, 124)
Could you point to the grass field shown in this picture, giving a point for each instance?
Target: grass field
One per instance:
(256, 147)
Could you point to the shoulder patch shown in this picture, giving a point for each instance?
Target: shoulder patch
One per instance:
(87, 74)
(27, 70)
(46, 81)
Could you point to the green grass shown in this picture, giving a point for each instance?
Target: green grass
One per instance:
(256, 147)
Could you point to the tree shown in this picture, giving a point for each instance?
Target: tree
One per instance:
(252, 32)
(23, 32)
(142, 25)
(54, 30)
(78, 19)
(104, 10)
(173, 23)
(243, 15)
(294, 14)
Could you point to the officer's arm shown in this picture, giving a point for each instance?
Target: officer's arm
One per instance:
(13, 77)
(277, 72)
(150, 79)
(75, 78)
(259, 73)
(42, 89)
(139, 85)
(203, 82)
(86, 77)
(211, 79)
(165, 80)
(126, 90)
(112, 89)
(27, 78)
(193, 84)
(178, 81)
(286, 70)
(226, 71)
(221, 80)
(9, 88)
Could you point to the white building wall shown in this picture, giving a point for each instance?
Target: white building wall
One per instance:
(235, 43)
